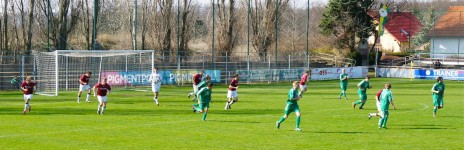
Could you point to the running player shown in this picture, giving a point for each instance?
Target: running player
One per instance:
(377, 103)
(202, 85)
(438, 92)
(155, 79)
(28, 89)
(292, 106)
(343, 84)
(304, 78)
(204, 99)
(84, 86)
(232, 92)
(385, 99)
(196, 79)
(103, 89)
(363, 86)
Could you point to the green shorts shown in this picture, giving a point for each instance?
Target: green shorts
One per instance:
(437, 101)
(291, 108)
(362, 96)
(204, 105)
(343, 87)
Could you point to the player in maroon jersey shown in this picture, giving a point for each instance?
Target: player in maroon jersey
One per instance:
(102, 88)
(28, 89)
(196, 79)
(303, 87)
(232, 92)
(84, 86)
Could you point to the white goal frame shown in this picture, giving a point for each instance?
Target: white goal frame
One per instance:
(88, 54)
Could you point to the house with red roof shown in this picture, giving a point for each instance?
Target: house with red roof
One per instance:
(447, 36)
(400, 28)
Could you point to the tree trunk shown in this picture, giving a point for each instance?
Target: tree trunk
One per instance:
(86, 25)
(226, 21)
(134, 28)
(63, 26)
(144, 23)
(5, 24)
(166, 7)
(1, 39)
(23, 24)
(16, 35)
(29, 30)
(95, 33)
(184, 29)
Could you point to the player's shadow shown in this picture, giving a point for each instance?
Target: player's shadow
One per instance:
(340, 132)
(235, 121)
(423, 127)
(247, 111)
(48, 111)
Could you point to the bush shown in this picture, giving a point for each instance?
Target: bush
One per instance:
(356, 56)
(372, 57)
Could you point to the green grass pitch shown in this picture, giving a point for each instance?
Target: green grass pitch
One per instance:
(132, 121)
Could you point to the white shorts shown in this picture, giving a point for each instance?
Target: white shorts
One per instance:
(378, 105)
(302, 87)
(195, 88)
(232, 94)
(155, 88)
(83, 87)
(102, 99)
(27, 96)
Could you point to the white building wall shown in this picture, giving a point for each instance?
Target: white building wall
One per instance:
(388, 42)
(446, 46)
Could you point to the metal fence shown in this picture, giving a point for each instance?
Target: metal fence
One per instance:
(22, 66)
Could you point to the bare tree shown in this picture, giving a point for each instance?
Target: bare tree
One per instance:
(226, 22)
(185, 27)
(5, 25)
(86, 22)
(145, 10)
(17, 42)
(165, 7)
(29, 28)
(64, 26)
(263, 18)
(96, 12)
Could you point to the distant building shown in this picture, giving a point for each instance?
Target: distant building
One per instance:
(400, 27)
(447, 36)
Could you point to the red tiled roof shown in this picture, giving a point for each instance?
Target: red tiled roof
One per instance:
(450, 24)
(399, 21)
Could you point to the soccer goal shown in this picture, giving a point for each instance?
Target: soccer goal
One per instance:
(60, 70)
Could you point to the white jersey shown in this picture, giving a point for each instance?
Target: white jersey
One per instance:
(155, 79)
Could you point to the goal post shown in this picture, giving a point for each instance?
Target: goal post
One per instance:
(60, 70)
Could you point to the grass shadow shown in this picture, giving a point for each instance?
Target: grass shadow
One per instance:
(340, 132)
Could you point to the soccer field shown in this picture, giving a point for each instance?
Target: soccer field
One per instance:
(132, 121)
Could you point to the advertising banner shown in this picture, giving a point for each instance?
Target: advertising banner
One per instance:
(295, 74)
(447, 74)
(334, 73)
(168, 77)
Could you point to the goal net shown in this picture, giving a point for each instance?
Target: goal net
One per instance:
(60, 70)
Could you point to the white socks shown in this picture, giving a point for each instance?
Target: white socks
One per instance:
(156, 99)
(88, 97)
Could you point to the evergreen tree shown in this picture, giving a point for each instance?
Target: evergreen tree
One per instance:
(347, 20)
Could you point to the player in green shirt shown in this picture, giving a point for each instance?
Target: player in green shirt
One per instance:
(204, 83)
(363, 86)
(292, 106)
(343, 84)
(438, 92)
(204, 95)
(385, 99)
